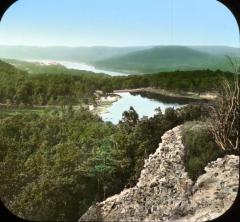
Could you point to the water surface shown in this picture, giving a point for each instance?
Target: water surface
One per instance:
(79, 66)
(143, 106)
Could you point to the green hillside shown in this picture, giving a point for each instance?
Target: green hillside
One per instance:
(9, 72)
(53, 86)
(135, 60)
(218, 50)
(59, 161)
(166, 58)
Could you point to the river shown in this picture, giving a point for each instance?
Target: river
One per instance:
(79, 66)
(143, 106)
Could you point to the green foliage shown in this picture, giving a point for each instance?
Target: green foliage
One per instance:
(53, 167)
(49, 88)
(184, 81)
(129, 119)
(200, 148)
(60, 86)
(40, 156)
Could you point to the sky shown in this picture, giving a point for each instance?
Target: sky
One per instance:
(118, 23)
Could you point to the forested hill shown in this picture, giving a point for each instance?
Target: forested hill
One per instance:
(135, 59)
(6, 67)
(59, 85)
(53, 87)
(9, 74)
(74, 54)
(168, 58)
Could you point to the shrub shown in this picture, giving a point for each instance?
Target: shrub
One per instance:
(200, 148)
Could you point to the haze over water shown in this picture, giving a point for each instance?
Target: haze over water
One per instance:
(79, 66)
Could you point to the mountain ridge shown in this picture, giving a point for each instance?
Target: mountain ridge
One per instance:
(168, 58)
(135, 59)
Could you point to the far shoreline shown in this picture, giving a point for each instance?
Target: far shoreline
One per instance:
(191, 96)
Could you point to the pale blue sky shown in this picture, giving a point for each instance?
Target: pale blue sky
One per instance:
(118, 23)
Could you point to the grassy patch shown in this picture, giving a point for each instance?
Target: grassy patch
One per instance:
(200, 149)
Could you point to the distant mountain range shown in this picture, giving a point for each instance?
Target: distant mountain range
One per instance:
(73, 54)
(132, 59)
(171, 58)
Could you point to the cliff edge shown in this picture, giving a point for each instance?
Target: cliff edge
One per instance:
(164, 191)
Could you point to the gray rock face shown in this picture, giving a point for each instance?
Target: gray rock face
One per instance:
(164, 191)
(215, 191)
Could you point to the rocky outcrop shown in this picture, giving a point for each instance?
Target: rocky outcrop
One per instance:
(164, 191)
(215, 191)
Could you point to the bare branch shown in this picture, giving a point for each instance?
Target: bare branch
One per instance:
(224, 113)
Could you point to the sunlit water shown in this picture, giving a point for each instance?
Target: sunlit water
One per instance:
(79, 66)
(143, 106)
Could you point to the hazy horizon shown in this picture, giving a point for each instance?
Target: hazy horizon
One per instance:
(115, 46)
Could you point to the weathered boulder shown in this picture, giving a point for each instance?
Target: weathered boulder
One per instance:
(215, 191)
(164, 191)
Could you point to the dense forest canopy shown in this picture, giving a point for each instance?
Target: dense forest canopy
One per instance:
(58, 85)
(56, 164)
(61, 163)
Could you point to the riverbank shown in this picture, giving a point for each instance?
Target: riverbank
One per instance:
(170, 94)
(103, 102)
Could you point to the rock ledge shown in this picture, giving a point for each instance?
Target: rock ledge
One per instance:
(164, 191)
